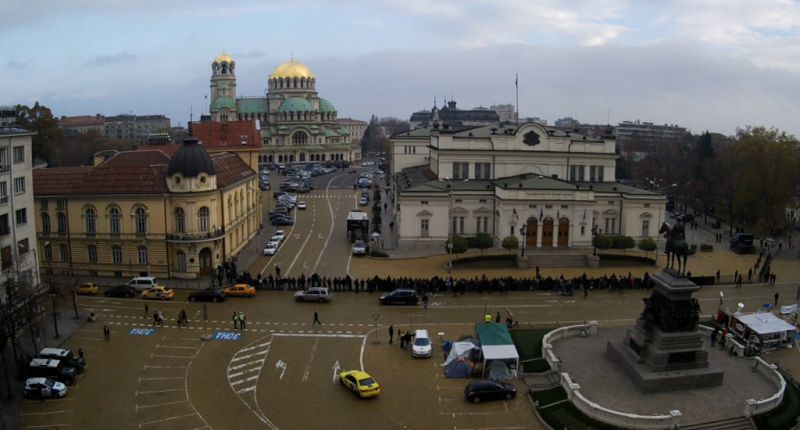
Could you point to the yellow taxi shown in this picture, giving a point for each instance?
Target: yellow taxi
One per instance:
(240, 290)
(87, 288)
(159, 292)
(360, 383)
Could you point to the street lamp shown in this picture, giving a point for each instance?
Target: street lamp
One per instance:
(522, 231)
(449, 256)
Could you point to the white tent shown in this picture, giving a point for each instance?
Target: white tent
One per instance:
(765, 323)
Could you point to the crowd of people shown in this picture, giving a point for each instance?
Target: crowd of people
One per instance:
(436, 285)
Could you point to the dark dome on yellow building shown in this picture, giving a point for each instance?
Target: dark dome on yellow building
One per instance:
(191, 160)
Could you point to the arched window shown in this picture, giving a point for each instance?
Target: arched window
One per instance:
(91, 221)
(180, 221)
(48, 252)
(140, 216)
(62, 222)
(115, 221)
(142, 251)
(202, 215)
(181, 261)
(45, 223)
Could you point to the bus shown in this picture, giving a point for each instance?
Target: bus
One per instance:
(357, 225)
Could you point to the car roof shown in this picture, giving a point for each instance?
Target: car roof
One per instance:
(54, 351)
(421, 333)
(30, 381)
(44, 362)
(483, 383)
(358, 374)
(409, 290)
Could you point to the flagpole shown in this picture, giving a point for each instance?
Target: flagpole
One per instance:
(516, 85)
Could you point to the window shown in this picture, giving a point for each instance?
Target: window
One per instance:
(483, 170)
(645, 227)
(5, 228)
(454, 225)
(44, 204)
(91, 221)
(482, 224)
(203, 218)
(564, 206)
(180, 221)
(461, 225)
(19, 185)
(424, 227)
(115, 221)
(512, 231)
(22, 216)
(460, 170)
(181, 261)
(596, 173)
(19, 154)
(3, 192)
(45, 223)
(140, 216)
(583, 230)
(299, 138)
(48, 252)
(61, 204)
(62, 222)
(6, 257)
(142, 251)
(92, 251)
(64, 251)
(116, 254)
(611, 226)
(3, 159)
(423, 202)
(23, 247)
(482, 201)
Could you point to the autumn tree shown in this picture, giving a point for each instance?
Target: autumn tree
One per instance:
(49, 134)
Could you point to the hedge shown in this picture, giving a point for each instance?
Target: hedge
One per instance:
(476, 258)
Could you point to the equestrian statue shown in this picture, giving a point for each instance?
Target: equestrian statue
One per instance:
(676, 249)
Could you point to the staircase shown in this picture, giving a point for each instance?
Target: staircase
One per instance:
(738, 423)
(559, 258)
(542, 381)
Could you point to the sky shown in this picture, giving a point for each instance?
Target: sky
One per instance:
(703, 64)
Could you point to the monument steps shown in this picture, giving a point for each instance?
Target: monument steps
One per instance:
(549, 260)
(738, 423)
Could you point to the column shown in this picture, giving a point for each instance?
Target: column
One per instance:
(539, 234)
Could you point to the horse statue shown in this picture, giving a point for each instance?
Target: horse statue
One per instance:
(676, 248)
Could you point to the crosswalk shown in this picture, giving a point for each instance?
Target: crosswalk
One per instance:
(323, 196)
(253, 326)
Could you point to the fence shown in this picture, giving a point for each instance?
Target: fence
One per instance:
(755, 407)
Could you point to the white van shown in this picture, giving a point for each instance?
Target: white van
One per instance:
(142, 283)
(422, 344)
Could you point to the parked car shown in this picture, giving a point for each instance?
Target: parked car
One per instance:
(363, 201)
(360, 383)
(263, 187)
(359, 248)
(142, 283)
(484, 389)
(281, 234)
(316, 294)
(276, 238)
(212, 294)
(53, 369)
(400, 296)
(65, 356)
(160, 293)
(301, 205)
(87, 288)
(422, 344)
(121, 291)
(240, 290)
(271, 248)
(38, 388)
(283, 221)
(277, 194)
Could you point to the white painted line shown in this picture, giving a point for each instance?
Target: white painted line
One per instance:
(353, 336)
(147, 366)
(300, 251)
(250, 363)
(242, 381)
(47, 426)
(310, 359)
(336, 368)
(178, 347)
(244, 390)
(237, 374)
(136, 393)
(166, 419)
(170, 356)
(160, 404)
(45, 413)
(162, 379)
(248, 356)
(330, 232)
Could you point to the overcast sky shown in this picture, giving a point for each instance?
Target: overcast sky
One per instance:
(703, 64)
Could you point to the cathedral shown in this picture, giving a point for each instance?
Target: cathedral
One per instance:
(296, 125)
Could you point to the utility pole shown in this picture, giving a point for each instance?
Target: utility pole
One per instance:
(55, 316)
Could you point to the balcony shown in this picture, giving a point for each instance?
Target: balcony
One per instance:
(196, 237)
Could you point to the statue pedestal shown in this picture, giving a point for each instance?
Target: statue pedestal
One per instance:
(664, 351)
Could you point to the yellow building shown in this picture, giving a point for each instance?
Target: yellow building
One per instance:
(145, 212)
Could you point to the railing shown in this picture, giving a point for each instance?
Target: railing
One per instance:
(587, 329)
(188, 237)
(755, 407)
(731, 339)
(616, 418)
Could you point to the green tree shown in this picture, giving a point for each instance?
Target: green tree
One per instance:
(49, 134)
(483, 241)
(647, 245)
(623, 242)
(602, 241)
(510, 242)
(460, 244)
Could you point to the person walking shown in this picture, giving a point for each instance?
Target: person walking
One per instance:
(146, 310)
(242, 323)
(776, 299)
(391, 334)
(80, 353)
(278, 272)
(106, 332)
(714, 335)
(497, 317)
(316, 319)
(235, 320)
(487, 318)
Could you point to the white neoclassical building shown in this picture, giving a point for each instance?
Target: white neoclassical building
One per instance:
(547, 187)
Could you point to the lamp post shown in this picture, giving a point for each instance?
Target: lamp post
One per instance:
(449, 257)
(522, 232)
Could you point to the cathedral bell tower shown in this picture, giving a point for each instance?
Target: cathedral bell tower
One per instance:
(223, 89)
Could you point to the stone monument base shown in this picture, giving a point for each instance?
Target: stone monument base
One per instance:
(649, 381)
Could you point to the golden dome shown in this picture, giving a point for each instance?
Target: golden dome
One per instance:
(223, 58)
(291, 69)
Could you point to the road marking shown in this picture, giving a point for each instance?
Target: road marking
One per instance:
(336, 368)
(330, 232)
(281, 365)
(136, 393)
(300, 251)
(237, 374)
(161, 379)
(47, 426)
(46, 413)
(170, 356)
(310, 359)
(147, 366)
(163, 420)
(249, 363)
(242, 381)
(160, 404)
(178, 347)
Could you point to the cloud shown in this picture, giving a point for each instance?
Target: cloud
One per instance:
(111, 60)
(20, 65)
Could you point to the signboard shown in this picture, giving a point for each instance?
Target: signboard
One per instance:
(142, 331)
(227, 335)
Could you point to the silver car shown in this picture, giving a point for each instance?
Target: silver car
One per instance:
(315, 294)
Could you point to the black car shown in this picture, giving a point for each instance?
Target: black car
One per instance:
(213, 295)
(400, 296)
(53, 369)
(485, 389)
(282, 221)
(277, 194)
(121, 291)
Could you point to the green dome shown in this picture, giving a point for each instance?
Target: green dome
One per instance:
(224, 103)
(296, 104)
(326, 106)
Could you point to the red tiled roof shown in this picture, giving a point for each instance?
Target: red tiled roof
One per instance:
(169, 149)
(217, 136)
(132, 172)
